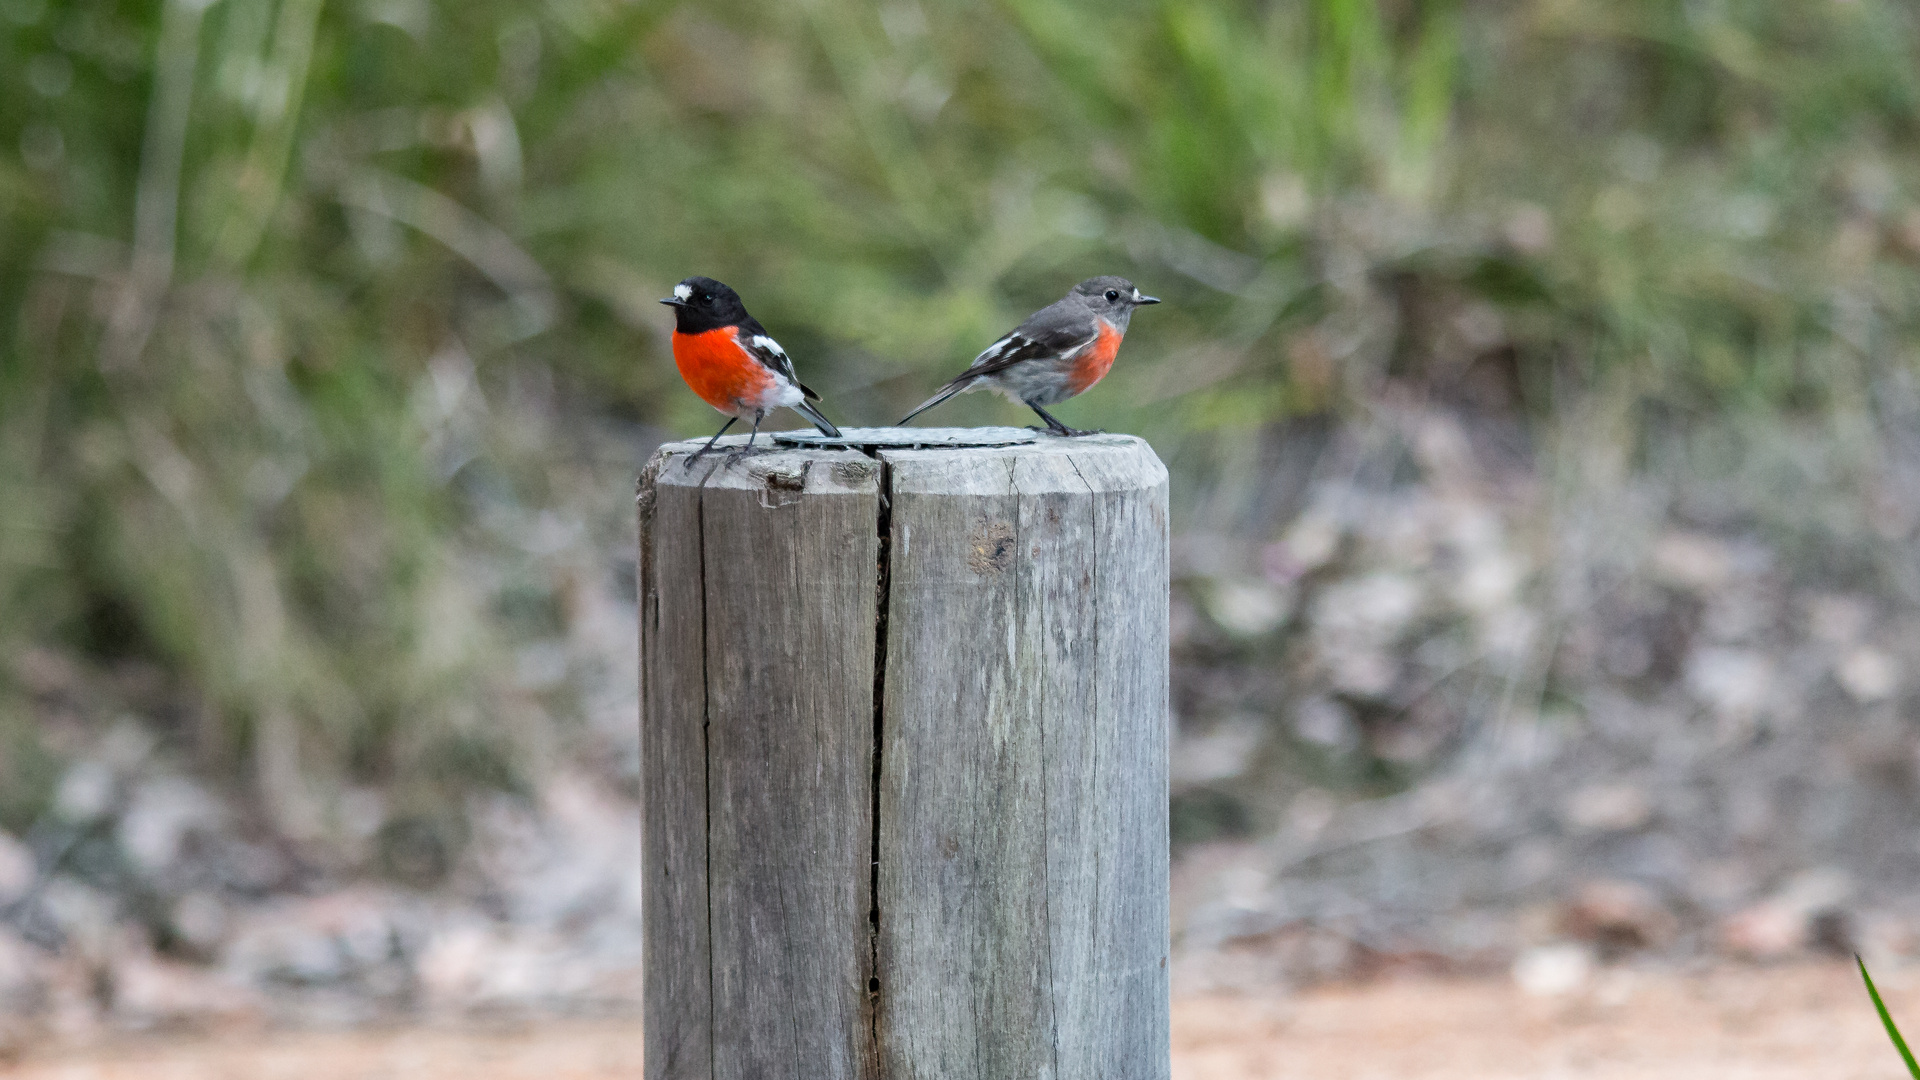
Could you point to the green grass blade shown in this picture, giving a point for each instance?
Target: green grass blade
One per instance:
(1913, 1067)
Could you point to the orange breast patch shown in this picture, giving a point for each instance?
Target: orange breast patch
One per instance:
(1093, 364)
(723, 373)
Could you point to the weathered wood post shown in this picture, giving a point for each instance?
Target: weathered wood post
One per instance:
(904, 730)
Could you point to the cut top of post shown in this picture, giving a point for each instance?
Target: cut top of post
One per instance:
(904, 438)
(791, 463)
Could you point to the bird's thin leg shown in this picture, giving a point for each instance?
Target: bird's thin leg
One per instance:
(755, 433)
(702, 452)
(1056, 426)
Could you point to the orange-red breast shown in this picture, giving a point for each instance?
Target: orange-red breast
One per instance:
(731, 361)
(1059, 352)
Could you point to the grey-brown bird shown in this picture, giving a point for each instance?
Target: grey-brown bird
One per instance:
(1059, 352)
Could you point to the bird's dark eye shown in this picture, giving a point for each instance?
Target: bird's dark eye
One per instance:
(706, 298)
(1112, 295)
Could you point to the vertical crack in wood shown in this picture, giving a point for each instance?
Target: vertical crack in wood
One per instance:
(706, 758)
(882, 587)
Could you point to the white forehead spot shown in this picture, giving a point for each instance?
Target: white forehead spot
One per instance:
(1136, 296)
(683, 292)
(767, 343)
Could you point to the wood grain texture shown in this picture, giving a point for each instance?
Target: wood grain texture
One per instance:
(963, 961)
(1107, 780)
(1021, 835)
(678, 1011)
(792, 552)
(1023, 777)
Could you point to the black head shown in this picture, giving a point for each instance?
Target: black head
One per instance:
(1112, 297)
(701, 303)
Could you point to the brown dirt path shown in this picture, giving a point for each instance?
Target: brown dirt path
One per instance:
(1745, 1024)
(1810, 1020)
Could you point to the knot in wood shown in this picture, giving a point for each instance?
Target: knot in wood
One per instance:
(990, 550)
(787, 479)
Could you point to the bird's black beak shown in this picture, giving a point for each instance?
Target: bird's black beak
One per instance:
(674, 301)
(1145, 300)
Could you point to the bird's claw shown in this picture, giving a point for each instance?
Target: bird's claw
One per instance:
(747, 452)
(728, 457)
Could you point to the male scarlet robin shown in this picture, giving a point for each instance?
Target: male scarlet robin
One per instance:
(731, 361)
(1059, 352)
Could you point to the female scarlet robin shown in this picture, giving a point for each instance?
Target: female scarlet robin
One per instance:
(1060, 351)
(727, 357)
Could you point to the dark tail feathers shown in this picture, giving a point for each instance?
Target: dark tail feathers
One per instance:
(813, 417)
(946, 392)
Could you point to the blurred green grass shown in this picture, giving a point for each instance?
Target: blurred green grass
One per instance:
(257, 259)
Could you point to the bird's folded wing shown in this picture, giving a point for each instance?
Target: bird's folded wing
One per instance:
(1019, 346)
(763, 348)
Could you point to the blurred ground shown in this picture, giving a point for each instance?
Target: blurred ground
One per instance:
(1539, 380)
(1746, 1023)
(1436, 708)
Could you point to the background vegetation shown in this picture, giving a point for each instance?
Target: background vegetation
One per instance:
(324, 326)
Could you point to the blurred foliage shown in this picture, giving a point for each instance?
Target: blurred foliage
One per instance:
(276, 274)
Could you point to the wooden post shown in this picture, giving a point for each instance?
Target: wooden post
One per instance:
(904, 732)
